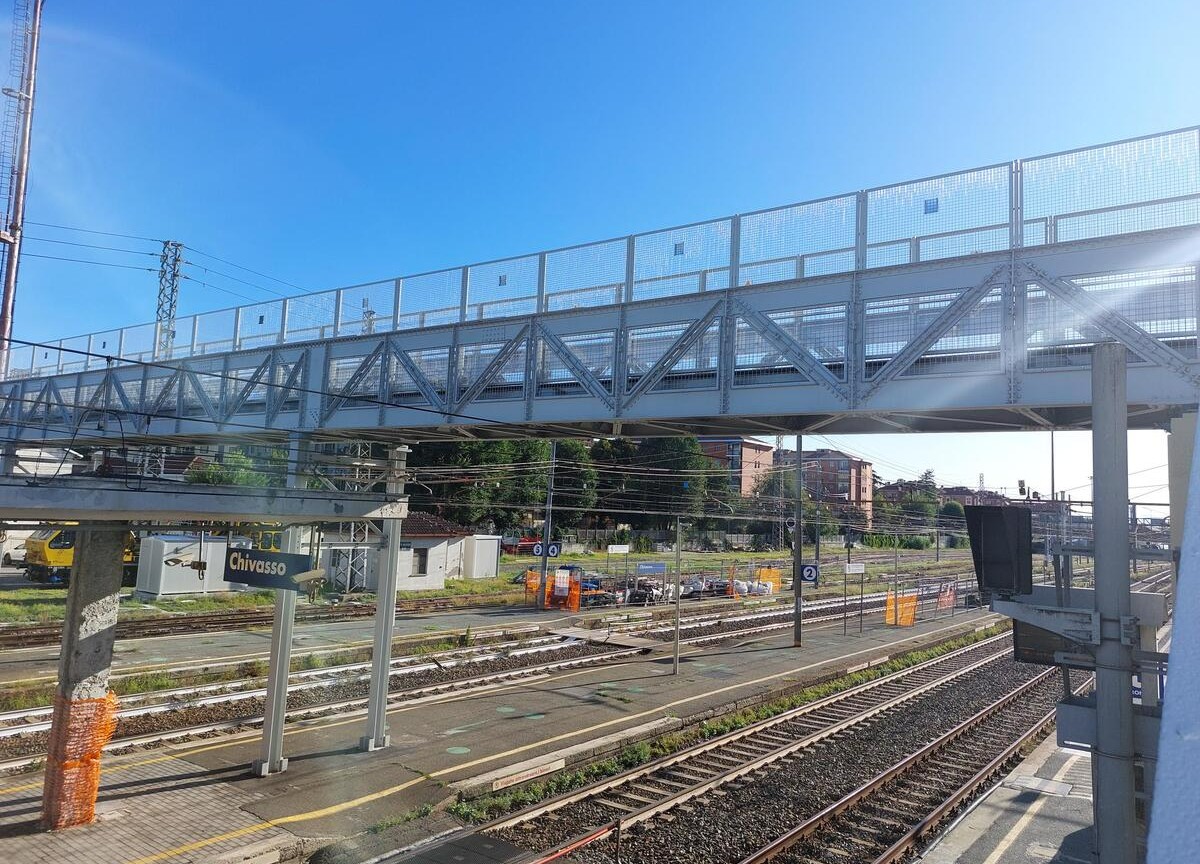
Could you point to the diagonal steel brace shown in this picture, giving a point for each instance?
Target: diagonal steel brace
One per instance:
(790, 350)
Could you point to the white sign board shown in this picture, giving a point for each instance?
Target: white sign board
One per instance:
(618, 548)
(852, 569)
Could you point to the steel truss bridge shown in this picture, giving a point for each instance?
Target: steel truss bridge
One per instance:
(968, 301)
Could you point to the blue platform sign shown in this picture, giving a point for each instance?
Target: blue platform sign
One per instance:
(810, 574)
(264, 569)
(651, 568)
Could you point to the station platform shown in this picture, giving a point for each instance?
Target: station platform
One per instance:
(197, 802)
(1041, 812)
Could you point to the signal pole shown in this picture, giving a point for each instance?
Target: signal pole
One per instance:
(11, 236)
(546, 526)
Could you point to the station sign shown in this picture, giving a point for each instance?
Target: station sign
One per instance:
(856, 569)
(285, 571)
(651, 568)
(810, 573)
(618, 548)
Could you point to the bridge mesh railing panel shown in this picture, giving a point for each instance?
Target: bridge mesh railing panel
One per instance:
(139, 341)
(214, 332)
(502, 289)
(311, 316)
(46, 360)
(209, 376)
(958, 214)
(259, 325)
(820, 331)
(74, 354)
(812, 239)
(891, 324)
(256, 399)
(1138, 185)
(368, 308)
(506, 382)
(586, 276)
(1162, 302)
(684, 260)
(595, 351)
(20, 361)
(106, 342)
(434, 364)
(347, 377)
(695, 367)
(430, 299)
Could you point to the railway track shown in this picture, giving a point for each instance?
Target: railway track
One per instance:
(192, 711)
(895, 812)
(26, 636)
(695, 780)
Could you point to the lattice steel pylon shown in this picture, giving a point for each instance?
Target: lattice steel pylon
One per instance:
(359, 478)
(170, 262)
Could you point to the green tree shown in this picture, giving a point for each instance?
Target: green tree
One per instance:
(574, 482)
(952, 519)
(613, 460)
(234, 469)
(670, 477)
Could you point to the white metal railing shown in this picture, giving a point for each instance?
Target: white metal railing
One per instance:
(1133, 185)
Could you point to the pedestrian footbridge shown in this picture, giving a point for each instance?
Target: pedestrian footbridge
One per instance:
(966, 301)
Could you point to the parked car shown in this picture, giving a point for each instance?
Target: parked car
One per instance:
(597, 598)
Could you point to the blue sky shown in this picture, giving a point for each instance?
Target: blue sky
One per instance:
(328, 145)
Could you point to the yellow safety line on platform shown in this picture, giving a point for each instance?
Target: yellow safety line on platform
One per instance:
(319, 726)
(383, 793)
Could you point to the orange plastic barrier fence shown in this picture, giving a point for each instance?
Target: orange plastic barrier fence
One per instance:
(900, 611)
(770, 574)
(81, 729)
(563, 590)
(947, 595)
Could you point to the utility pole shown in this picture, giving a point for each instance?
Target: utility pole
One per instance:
(546, 526)
(11, 236)
(678, 579)
(170, 261)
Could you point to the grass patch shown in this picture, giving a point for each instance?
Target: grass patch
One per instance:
(489, 807)
(392, 821)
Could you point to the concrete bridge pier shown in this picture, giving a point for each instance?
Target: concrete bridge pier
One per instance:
(84, 710)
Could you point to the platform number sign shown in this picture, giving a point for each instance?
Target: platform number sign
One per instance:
(551, 550)
(809, 573)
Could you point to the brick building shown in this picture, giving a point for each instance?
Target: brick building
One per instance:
(832, 477)
(746, 459)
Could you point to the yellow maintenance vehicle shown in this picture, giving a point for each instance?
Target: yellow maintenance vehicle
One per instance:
(50, 552)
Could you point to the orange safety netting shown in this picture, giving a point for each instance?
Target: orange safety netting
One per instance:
(80, 730)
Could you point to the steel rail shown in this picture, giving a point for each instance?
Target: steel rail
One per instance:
(820, 820)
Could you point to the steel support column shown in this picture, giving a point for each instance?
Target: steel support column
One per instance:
(1116, 822)
(798, 545)
(385, 614)
(1179, 470)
